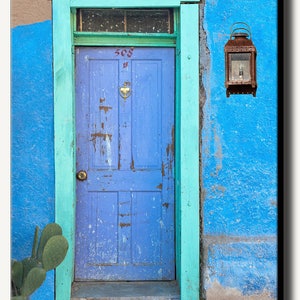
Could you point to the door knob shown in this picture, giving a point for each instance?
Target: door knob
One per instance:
(81, 175)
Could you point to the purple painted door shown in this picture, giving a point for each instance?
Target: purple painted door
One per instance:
(125, 144)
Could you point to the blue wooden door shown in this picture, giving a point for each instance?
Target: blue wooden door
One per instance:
(125, 146)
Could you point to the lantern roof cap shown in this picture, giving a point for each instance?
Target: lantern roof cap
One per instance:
(240, 34)
(239, 40)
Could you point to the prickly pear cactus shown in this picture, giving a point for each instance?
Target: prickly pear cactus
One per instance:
(47, 253)
(35, 242)
(33, 281)
(28, 264)
(17, 273)
(54, 252)
(49, 231)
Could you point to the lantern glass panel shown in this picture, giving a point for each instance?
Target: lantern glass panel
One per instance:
(239, 67)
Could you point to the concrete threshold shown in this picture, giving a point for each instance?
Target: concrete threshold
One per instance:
(119, 290)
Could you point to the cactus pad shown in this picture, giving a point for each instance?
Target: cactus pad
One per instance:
(49, 231)
(17, 273)
(54, 252)
(29, 274)
(33, 281)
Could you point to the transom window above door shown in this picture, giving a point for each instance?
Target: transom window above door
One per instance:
(125, 20)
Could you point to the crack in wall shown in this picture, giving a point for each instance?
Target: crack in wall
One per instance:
(204, 70)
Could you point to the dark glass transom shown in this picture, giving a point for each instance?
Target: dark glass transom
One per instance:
(125, 20)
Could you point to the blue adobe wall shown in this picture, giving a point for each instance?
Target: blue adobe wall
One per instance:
(32, 162)
(239, 155)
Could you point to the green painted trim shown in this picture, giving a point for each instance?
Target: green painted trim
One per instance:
(124, 4)
(187, 138)
(126, 39)
(129, 4)
(177, 152)
(93, 39)
(189, 153)
(64, 141)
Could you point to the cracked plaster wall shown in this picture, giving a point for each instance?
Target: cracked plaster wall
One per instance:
(238, 158)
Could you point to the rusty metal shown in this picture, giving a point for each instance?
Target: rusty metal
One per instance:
(240, 61)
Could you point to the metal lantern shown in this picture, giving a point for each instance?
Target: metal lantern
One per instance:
(240, 61)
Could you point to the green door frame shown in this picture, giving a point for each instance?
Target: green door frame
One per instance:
(187, 137)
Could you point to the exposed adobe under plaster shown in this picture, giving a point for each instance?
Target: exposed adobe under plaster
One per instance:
(25, 12)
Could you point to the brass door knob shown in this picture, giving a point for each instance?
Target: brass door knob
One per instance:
(81, 175)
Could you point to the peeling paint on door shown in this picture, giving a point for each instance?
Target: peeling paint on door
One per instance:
(125, 210)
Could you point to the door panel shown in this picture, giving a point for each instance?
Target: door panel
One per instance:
(125, 208)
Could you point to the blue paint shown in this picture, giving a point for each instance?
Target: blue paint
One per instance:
(239, 143)
(239, 140)
(32, 164)
(247, 266)
(125, 208)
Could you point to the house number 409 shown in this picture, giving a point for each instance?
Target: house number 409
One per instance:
(124, 52)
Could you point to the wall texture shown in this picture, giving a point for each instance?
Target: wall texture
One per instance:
(239, 158)
(29, 11)
(32, 164)
(238, 148)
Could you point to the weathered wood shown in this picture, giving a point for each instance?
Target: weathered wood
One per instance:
(112, 39)
(125, 4)
(189, 153)
(63, 140)
(125, 209)
(187, 134)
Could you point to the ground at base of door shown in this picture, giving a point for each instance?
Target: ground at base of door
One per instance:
(146, 290)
